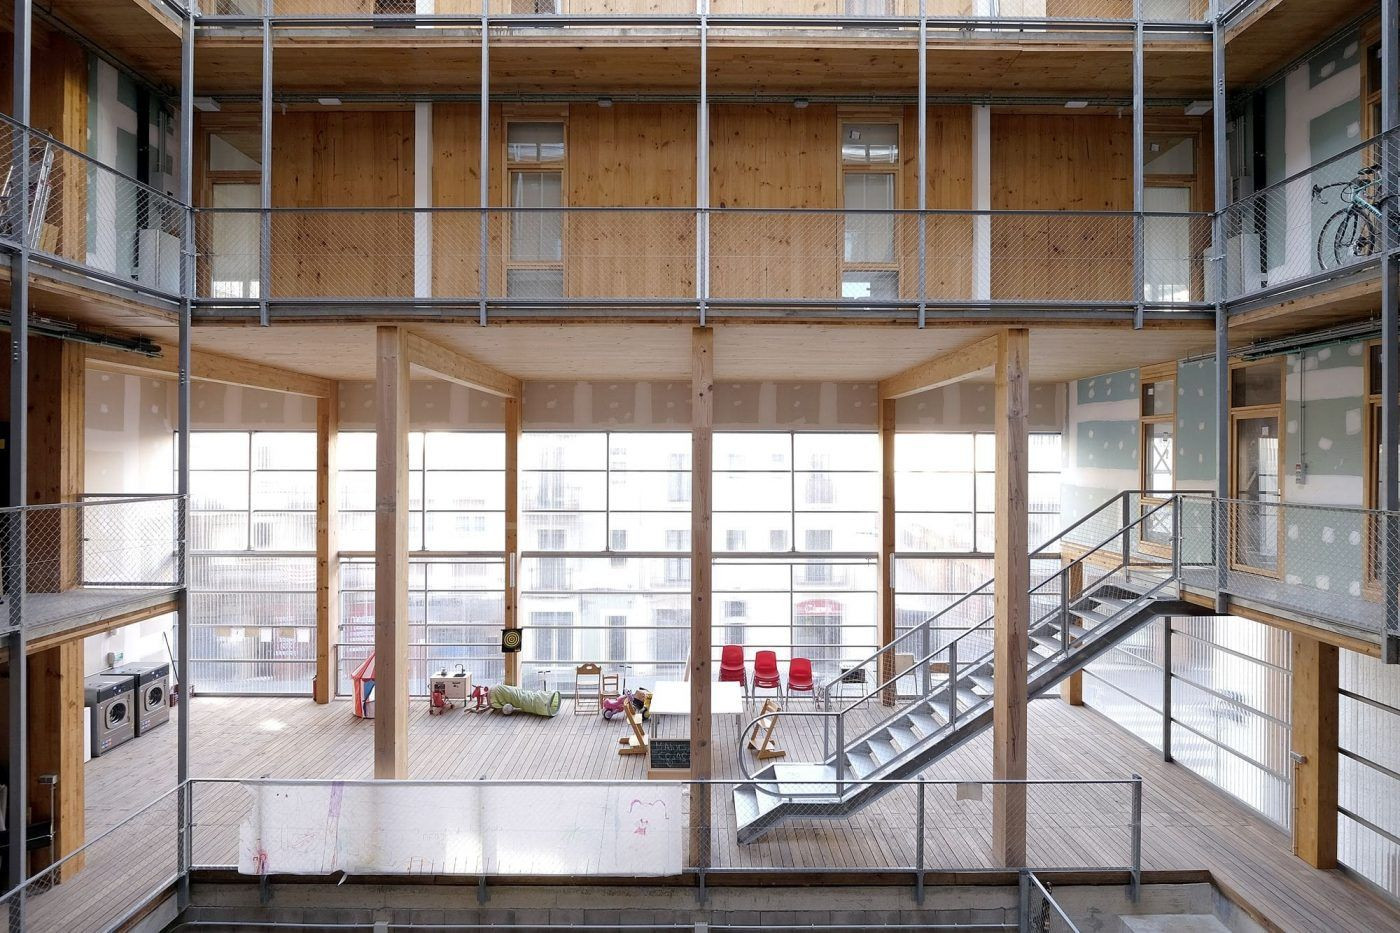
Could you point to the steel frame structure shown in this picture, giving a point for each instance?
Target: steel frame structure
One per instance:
(703, 21)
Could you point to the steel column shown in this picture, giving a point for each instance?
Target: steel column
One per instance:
(1166, 688)
(702, 170)
(1222, 342)
(484, 161)
(182, 446)
(15, 556)
(1139, 152)
(922, 168)
(265, 170)
(1390, 334)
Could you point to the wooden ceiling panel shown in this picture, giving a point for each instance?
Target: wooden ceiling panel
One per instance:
(1278, 32)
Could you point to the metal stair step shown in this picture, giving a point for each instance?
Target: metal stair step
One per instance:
(881, 749)
(926, 720)
(903, 735)
(859, 764)
(984, 681)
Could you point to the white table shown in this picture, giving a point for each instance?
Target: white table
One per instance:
(672, 698)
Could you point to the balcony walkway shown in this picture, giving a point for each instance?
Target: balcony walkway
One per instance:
(1188, 825)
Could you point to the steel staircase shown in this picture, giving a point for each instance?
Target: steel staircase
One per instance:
(939, 697)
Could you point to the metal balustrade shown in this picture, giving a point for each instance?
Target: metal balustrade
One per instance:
(89, 560)
(652, 257)
(1316, 224)
(91, 217)
(986, 13)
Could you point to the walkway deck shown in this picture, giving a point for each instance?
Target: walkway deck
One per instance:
(1189, 825)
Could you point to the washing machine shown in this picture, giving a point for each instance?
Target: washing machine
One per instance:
(111, 703)
(151, 682)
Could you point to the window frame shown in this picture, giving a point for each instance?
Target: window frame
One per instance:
(1147, 375)
(1240, 413)
(844, 118)
(560, 167)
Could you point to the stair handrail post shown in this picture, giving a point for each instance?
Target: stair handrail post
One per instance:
(1127, 537)
(924, 660)
(1137, 835)
(826, 722)
(953, 683)
(919, 845)
(1064, 609)
(840, 753)
(1023, 911)
(1177, 515)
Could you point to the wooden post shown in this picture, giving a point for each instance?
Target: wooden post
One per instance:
(885, 573)
(327, 550)
(1072, 687)
(512, 505)
(57, 380)
(702, 421)
(1315, 720)
(391, 558)
(1012, 561)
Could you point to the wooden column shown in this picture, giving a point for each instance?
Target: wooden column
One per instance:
(57, 385)
(1315, 751)
(1072, 687)
(391, 557)
(702, 422)
(885, 573)
(512, 504)
(1012, 603)
(327, 548)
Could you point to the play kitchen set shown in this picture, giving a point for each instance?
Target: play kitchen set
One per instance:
(125, 703)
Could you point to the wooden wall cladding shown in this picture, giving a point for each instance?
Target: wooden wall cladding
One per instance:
(457, 183)
(343, 158)
(1070, 163)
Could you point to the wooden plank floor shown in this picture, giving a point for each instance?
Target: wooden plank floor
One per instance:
(1188, 825)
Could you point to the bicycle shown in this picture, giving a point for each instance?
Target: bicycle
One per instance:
(1354, 231)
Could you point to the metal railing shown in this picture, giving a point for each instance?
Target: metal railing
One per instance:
(921, 826)
(110, 880)
(1323, 563)
(1039, 912)
(1319, 223)
(91, 217)
(89, 559)
(987, 14)
(649, 257)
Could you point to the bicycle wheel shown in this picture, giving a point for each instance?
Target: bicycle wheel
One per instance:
(1334, 242)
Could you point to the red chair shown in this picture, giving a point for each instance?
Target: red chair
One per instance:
(732, 667)
(800, 678)
(765, 672)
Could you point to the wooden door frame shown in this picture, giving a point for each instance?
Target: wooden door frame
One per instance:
(1156, 373)
(1240, 413)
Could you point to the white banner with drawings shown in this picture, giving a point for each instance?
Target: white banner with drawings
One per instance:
(466, 829)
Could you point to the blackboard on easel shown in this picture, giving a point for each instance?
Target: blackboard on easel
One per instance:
(669, 759)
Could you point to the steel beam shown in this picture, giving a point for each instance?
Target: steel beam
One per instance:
(17, 822)
(921, 174)
(484, 165)
(1139, 153)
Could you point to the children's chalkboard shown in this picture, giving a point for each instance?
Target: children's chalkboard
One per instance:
(670, 754)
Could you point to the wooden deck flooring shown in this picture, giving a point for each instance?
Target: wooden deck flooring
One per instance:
(1188, 825)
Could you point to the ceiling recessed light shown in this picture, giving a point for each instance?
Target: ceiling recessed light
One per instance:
(1076, 104)
(605, 102)
(207, 104)
(1198, 108)
(328, 101)
(800, 103)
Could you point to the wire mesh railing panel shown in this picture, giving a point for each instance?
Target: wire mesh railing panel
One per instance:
(581, 253)
(93, 556)
(11, 143)
(86, 213)
(1323, 220)
(1040, 912)
(106, 882)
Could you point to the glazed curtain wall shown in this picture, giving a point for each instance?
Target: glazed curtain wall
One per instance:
(1368, 821)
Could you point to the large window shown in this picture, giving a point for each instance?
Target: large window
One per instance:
(1157, 433)
(605, 553)
(252, 561)
(1368, 793)
(457, 565)
(1256, 399)
(535, 176)
(945, 493)
(797, 529)
(869, 182)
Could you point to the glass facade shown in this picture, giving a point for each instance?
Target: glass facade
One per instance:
(1368, 799)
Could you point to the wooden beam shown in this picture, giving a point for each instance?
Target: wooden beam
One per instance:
(56, 747)
(100, 626)
(512, 507)
(885, 596)
(1315, 724)
(212, 367)
(1011, 553)
(57, 387)
(391, 557)
(327, 545)
(460, 368)
(702, 424)
(953, 366)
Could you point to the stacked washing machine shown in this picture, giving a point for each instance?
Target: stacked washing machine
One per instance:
(111, 703)
(150, 680)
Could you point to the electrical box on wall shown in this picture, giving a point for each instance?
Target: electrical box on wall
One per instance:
(1300, 473)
